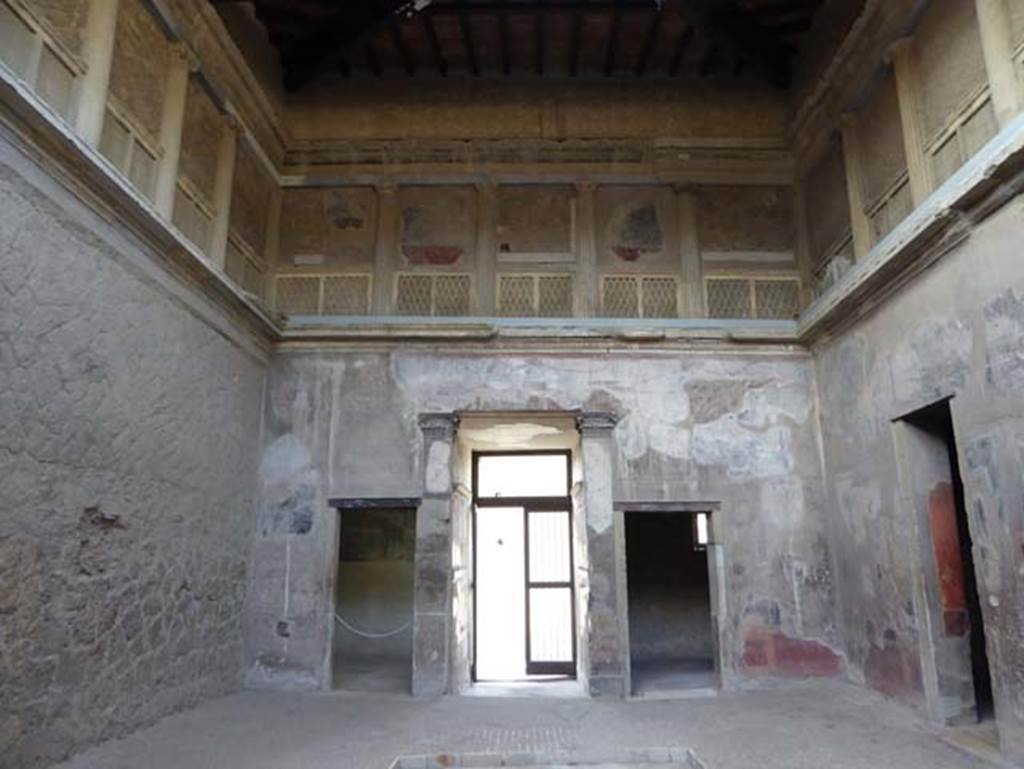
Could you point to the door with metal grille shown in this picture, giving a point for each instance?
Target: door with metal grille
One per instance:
(524, 602)
(550, 604)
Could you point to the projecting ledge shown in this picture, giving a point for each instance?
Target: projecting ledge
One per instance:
(624, 330)
(980, 187)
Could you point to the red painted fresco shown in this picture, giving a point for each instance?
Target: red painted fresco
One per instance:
(434, 255)
(955, 623)
(630, 253)
(774, 653)
(946, 542)
(895, 671)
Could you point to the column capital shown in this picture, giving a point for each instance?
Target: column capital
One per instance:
(596, 423)
(233, 123)
(183, 53)
(585, 186)
(386, 188)
(848, 120)
(684, 188)
(897, 49)
(486, 187)
(440, 425)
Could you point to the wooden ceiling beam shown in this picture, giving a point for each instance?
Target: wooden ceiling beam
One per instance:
(435, 44)
(467, 40)
(506, 60)
(539, 37)
(649, 44)
(408, 63)
(308, 56)
(741, 32)
(373, 60)
(574, 43)
(612, 42)
(682, 44)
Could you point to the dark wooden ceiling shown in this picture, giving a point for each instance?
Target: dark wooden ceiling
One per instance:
(538, 38)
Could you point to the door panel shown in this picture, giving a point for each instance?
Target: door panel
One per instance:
(500, 598)
(551, 638)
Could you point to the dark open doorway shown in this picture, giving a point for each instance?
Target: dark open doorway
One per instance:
(372, 646)
(524, 602)
(671, 642)
(958, 632)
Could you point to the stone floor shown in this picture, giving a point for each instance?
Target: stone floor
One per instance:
(808, 725)
(657, 679)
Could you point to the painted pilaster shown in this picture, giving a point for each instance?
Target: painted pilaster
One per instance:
(387, 249)
(272, 241)
(859, 224)
(222, 188)
(904, 61)
(183, 64)
(605, 637)
(803, 248)
(997, 46)
(486, 248)
(98, 54)
(690, 265)
(588, 302)
(432, 602)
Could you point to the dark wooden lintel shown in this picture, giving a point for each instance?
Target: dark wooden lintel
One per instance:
(373, 503)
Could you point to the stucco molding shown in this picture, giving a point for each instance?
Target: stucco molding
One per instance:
(596, 424)
(439, 426)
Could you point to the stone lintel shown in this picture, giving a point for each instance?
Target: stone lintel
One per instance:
(373, 503)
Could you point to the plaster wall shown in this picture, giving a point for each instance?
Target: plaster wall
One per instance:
(730, 426)
(129, 423)
(956, 330)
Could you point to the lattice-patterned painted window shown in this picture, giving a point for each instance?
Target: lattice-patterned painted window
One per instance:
(640, 296)
(749, 297)
(440, 294)
(347, 294)
(836, 263)
(777, 299)
(38, 51)
(131, 151)
(297, 294)
(245, 267)
(891, 209)
(729, 298)
(193, 214)
(969, 131)
(541, 294)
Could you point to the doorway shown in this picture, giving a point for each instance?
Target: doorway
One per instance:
(524, 602)
(373, 606)
(958, 680)
(671, 634)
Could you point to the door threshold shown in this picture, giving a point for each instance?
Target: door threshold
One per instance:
(697, 693)
(560, 688)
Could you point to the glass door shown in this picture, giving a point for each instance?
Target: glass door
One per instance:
(550, 603)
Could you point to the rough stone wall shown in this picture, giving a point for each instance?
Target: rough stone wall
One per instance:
(956, 330)
(739, 428)
(128, 427)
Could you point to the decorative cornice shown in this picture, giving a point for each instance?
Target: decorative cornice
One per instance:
(676, 161)
(596, 423)
(439, 425)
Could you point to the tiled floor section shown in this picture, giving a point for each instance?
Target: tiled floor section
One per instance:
(811, 725)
